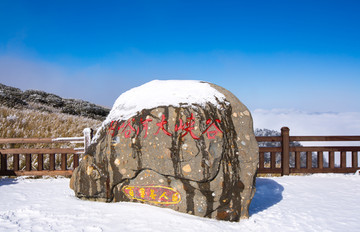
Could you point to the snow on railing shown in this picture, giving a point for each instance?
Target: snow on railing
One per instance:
(68, 139)
(72, 140)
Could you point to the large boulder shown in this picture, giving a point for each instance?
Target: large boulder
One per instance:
(184, 145)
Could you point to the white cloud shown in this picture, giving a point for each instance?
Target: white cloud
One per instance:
(308, 123)
(303, 123)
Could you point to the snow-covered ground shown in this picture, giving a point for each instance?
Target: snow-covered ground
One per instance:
(323, 202)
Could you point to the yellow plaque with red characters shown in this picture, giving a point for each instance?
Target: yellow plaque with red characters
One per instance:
(153, 194)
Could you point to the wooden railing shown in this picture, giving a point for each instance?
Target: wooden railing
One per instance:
(285, 152)
(284, 159)
(39, 154)
(49, 154)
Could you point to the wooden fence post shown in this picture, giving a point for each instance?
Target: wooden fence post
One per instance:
(40, 161)
(4, 157)
(354, 160)
(28, 162)
(3, 162)
(52, 162)
(285, 154)
(88, 135)
(63, 161)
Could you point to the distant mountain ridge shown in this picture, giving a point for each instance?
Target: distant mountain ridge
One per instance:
(46, 102)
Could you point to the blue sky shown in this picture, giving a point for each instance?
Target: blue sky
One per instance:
(302, 55)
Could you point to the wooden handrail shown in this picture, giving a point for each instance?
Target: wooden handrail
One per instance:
(342, 138)
(268, 138)
(37, 140)
(284, 140)
(285, 149)
(325, 138)
(270, 149)
(326, 148)
(39, 151)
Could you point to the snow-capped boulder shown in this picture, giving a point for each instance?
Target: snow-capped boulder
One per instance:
(184, 145)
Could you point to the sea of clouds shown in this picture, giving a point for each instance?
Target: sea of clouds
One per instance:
(308, 123)
(303, 123)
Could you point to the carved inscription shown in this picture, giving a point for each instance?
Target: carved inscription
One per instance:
(153, 194)
(130, 128)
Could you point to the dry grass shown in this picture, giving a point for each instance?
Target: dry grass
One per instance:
(15, 123)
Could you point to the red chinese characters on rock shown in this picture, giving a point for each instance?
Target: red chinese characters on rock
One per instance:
(112, 128)
(188, 127)
(212, 133)
(129, 129)
(145, 124)
(161, 126)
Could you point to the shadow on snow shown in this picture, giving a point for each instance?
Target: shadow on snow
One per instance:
(7, 181)
(268, 193)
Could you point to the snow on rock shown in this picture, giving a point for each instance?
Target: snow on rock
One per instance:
(162, 93)
(322, 202)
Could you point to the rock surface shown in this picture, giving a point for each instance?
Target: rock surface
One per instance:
(194, 157)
